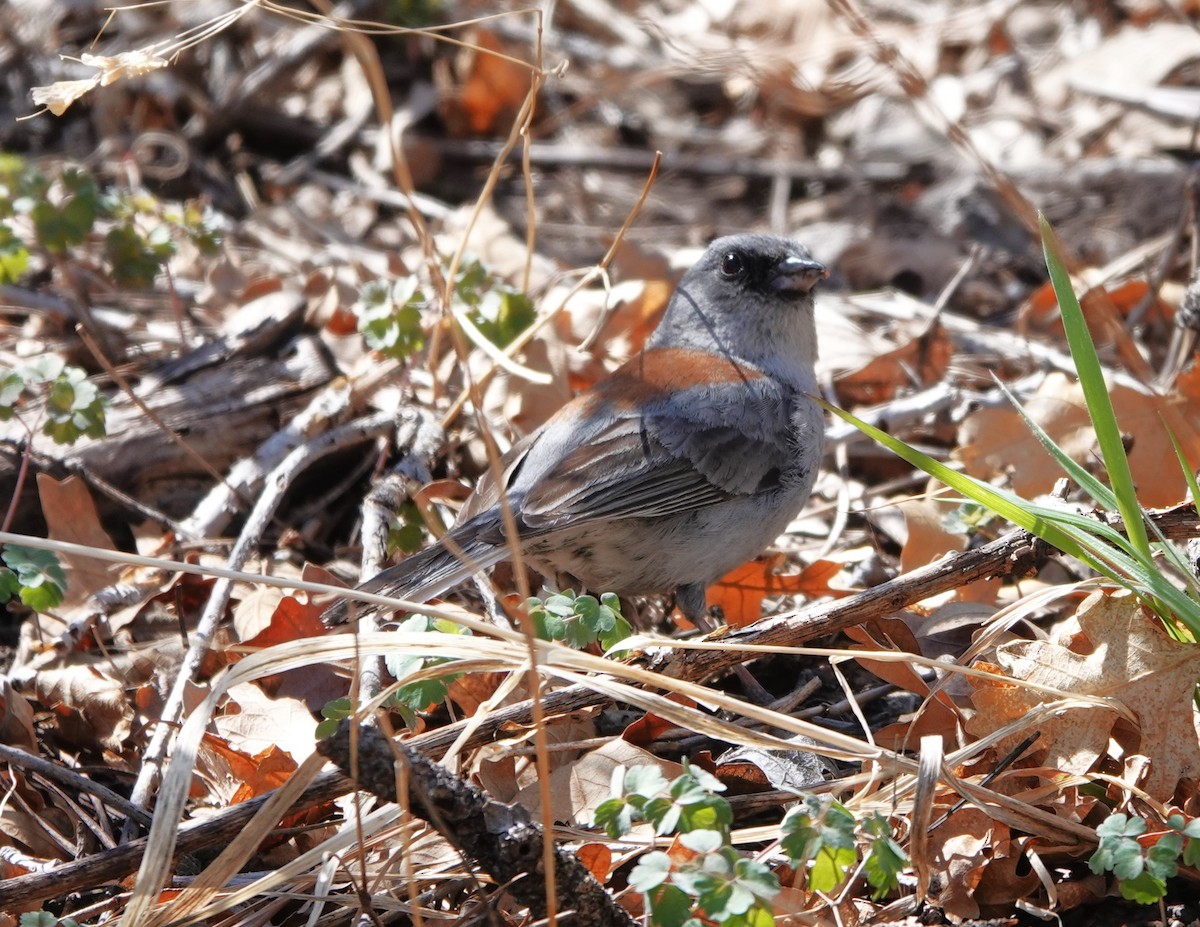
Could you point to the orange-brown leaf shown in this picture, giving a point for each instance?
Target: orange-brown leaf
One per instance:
(741, 592)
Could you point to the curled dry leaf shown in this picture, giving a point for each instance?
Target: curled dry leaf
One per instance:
(1121, 653)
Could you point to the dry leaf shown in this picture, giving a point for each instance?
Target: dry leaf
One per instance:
(740, 593)
(239, 776)
(16, 719)
(71, 516)
(292, 620)
(597, 859)
(921, 362)
(91, 706)
(1122, 653)
(995, 441)
(930, 535)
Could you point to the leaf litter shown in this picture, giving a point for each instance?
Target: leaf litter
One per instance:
(263, 152)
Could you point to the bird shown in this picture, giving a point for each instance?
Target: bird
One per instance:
(682, 464)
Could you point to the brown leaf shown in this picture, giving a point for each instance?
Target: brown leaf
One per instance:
(493, 90)
(291, 620)
(241, 776)
(649, 727)
(924, 360)
(71, 516)
(937, 714)
(996, 441)
(16, 719)
(597, 858)
(91, 705)
(1122, 653)
(741, 592)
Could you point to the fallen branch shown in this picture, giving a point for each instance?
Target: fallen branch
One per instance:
(502, 839)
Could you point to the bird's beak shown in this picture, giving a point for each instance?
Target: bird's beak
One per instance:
(797, 275)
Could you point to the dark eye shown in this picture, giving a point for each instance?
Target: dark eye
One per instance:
(732, 264)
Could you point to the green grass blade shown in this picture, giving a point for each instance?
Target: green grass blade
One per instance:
(1102, 495)
(1087, 539)
(1095, 390)
(1009, 507)
(1183, 463)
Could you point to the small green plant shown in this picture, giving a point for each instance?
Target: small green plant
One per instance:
(1142, 871)
(55, 213)
(35, 576)
(498, 310)
(420, 694)
(406, 533)
(391, 314)
(59, 397)
(709, 879)
(331, 715)
(389, 317)
(579, 620)
(821, 834)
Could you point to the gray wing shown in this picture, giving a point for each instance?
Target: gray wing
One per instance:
(735, 443)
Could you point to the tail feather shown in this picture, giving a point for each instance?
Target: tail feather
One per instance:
(425, 575)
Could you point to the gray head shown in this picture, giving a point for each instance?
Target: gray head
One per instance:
(748, 297)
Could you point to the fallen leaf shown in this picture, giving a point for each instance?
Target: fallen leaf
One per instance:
(740, 593)
(239, 776)
(597, 859)
(995, 441)
(71, 516)
(16, 719)
(1121, 652)
(922, 361)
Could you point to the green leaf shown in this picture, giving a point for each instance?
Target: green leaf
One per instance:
(389, 317)
(1095, 390)
(615, 816)
(44, 919)
(546, 625)
(74, 408)
(42, 579)
(14, 256)
(332, 713)
(1162, 859)
(69, 223)
(702, 777)
(669, 906)
(576, 634)
(712, 813)
(702, 841)
(407, 531)
(663, 814)
(1118, 850)
(1143, 888)
(886, 859)
(817, 822)
(9, 585)
(12, 385)
(829, 867)
(137, 260)
(651, 871)
(645, 780)
(423, 693)
(757, 878)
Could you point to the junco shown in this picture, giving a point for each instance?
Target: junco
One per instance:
(684, 463)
